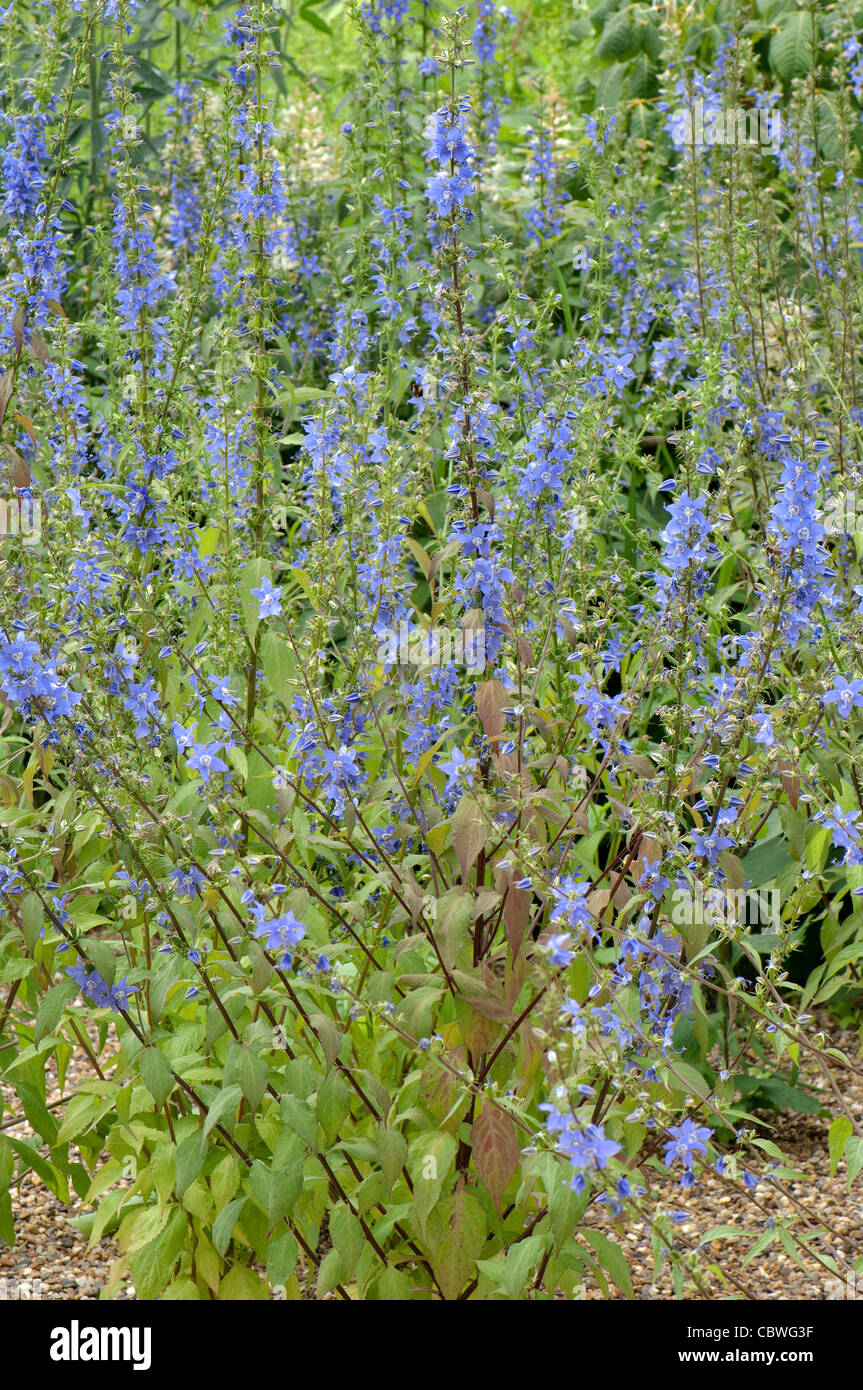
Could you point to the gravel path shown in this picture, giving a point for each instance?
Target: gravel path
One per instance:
(51, 1251)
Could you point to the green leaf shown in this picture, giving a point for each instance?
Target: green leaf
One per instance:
(223, 1106)
(330, 1273)
(102, 956)
(37, 1112)
(681, 1073)
(163, 1166)
(32, 918)
(732, 867)
(156, 1073)
(470, 833)
(7, 1220)
(182, 1290)
(619, 38)
(722, 1233)
(253, 1077)
(315, 20)
(105, 1216)
(840, 1131)
(151, 1265)
(280, 665)
(452, 925)
(779, 1094)
(392, 1151)
(566, 1207)
(299, 1117)
(333, 1104)
(329, 1035)
(51, 1008)
(430, 1158)
(612, 1259)
(766, 860)
(190, 1161)
(791, 50)
(854, 1156)
(348, 1238)
(242, 1285)
(394, 1286)
(83, 1111)
(282, 1256)
(223, 1226)
(521, 1260)
(7, 1164)
(285, 1187)
(146, 1226)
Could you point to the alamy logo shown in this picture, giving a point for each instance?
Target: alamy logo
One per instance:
(76, 1343)
(21, 519)
(736, 125)
(436, 646)
(843, 515)
(849, 1289)
(726, 907)
(23, 1289)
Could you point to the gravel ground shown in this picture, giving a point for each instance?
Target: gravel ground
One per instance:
(50, 1259)
(51, 1251)
(820, 1203)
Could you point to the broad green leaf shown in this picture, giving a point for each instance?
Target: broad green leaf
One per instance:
(611, 1258)
(430, 1158)
(392, 1150)
(348, 1238)
(51, 1008)
(223, 1226)
(156, 1073)
(222, 1108)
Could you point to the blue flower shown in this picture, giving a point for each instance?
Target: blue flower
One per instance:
(203, 759)
(99, 992)
(710, 845)
(458, 769)
(556, 949)
(448, 192)
(282, 934)
(845, 695)
(269, 599)
(687, 1139)
(652, 879)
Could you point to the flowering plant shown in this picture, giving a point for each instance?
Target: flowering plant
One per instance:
(386, 969)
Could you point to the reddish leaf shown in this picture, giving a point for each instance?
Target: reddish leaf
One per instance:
(469, 834)
(495, 1150)
(18, 328)
(7, 382)
(464, 1232)
(436, 1088)
(27, 424)
(516, 914)
(19, 469)
(38, 346)
(479, 1034)
(790, 785)
(491, 698)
